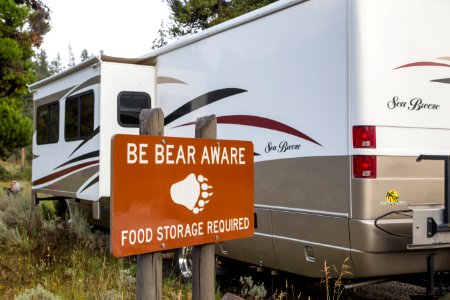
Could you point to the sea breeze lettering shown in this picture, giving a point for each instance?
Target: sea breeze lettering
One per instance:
(181, 231)
(413, 104)
(282, 147)
(185, 155)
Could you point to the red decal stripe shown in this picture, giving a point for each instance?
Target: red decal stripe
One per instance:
(423, 64)
(63, 172)
(255, 121)
(264, 123)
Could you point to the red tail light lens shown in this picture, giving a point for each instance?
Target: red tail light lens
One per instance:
(364, 166)
(364, 137)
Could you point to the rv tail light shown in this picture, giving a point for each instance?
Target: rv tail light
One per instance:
(364, 137)
(364, 166)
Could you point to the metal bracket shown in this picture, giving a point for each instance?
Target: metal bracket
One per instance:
(433, 227)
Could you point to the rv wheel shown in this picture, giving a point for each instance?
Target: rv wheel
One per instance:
(183, 262)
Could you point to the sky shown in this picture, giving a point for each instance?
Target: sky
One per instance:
(119, 28)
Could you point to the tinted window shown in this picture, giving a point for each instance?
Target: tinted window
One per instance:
(130, 105)
(79, 122)
(47, 123)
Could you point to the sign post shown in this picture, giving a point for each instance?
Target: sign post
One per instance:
(203, 262)
(149, 265)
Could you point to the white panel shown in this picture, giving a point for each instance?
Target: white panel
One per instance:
(386, 35)
(293, 65)
(115, 79)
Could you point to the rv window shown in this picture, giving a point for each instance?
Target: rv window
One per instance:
(47, 123)
(130, 105)
(79, 122)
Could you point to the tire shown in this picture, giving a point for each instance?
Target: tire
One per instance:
(182, 258)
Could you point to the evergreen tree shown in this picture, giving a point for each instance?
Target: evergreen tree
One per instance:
(41, 67)
(161, 38)
(22, 26)
(84, 55)
(189, 16)
(56, 65)
(71, 57)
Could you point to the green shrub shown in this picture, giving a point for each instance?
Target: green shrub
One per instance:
(36, 293)
(5, 175)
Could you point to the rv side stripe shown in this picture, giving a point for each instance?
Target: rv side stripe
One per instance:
(82, 157)
(200, 102)
(94, 181)
(444, 80)
(63, 172)
(260, 122)
(423, 64)
(166, 79)
(53, 97)
(96, 131)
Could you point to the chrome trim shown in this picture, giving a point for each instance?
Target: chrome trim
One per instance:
(386, 221)
(306, 242)
(303, 211)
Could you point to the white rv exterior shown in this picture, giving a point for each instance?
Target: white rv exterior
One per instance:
(79, 167)
(295, 78)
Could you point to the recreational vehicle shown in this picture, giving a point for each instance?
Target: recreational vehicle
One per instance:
(339, 97)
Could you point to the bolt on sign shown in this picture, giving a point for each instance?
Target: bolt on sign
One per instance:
(172, 192)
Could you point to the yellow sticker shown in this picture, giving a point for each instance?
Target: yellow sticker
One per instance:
(392, 197)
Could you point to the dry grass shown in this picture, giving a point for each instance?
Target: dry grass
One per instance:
(40, 254)
(44, 257)
(334, 286)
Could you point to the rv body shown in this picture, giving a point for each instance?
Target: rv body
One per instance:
(339, 98)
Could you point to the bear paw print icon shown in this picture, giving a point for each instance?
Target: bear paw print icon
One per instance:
(191, 192)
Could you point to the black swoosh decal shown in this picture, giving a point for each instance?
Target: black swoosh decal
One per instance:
(200, 102)
(82, 157)
(96, 131)
(444, 80)
(94, 181)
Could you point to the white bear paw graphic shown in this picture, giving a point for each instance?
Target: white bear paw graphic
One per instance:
(191, 192)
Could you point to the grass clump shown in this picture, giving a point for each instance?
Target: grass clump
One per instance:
(37, 293)
(250, 290)
(43, 256)
(334, 285)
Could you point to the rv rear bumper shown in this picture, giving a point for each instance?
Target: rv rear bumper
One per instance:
(376, 253)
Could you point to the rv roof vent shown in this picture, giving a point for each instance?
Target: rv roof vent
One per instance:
(364, 166)
(364, 137)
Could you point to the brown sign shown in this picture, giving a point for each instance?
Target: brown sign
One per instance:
(173, 192)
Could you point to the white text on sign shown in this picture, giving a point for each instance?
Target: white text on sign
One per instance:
(180, 231)
(185, 155)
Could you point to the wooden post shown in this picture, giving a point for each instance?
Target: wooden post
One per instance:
(149, 265)
(203, 256)
(23, 157)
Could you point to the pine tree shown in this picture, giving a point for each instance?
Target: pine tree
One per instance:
(41, 67)
(189, 16)
(85, 55)
(71, 57)
(161, 38)
(56, 65)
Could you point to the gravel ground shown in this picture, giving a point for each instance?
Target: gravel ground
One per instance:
(392, 290)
